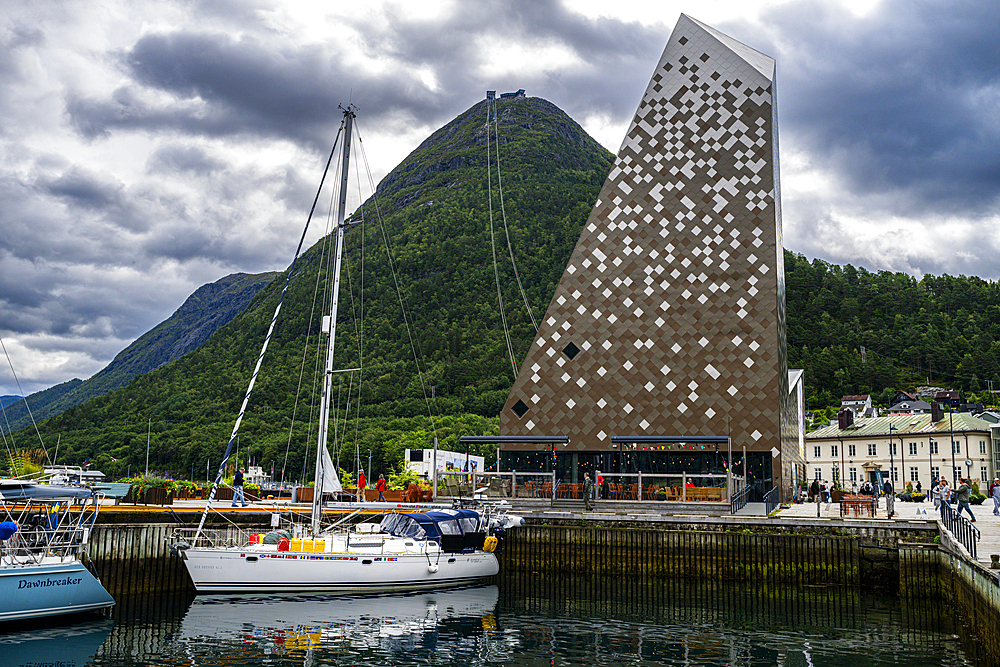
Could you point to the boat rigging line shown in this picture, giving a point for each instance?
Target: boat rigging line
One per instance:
(24, 398)
(418, 354)
(492, 121)
(267, 339)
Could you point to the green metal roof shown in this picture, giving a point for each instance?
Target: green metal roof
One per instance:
(905, 425)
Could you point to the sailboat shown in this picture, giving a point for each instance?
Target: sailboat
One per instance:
(406, 550)
(44, 531)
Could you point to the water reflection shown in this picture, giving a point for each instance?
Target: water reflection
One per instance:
(302, 629)
(529, 619)
(66, 646)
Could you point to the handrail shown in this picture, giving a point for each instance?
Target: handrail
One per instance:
(771, 501)
(739, 499)
(961, 528)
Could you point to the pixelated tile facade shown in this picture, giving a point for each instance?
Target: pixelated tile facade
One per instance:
(670, 316)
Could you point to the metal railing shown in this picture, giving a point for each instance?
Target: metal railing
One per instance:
(771, 501)
(683, 487)
(739, 500)
(961, 528)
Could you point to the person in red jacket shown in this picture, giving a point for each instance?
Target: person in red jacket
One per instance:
(362, 483)
(380, 485)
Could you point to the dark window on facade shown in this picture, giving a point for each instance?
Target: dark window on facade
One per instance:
(520, 409)
(571, 351)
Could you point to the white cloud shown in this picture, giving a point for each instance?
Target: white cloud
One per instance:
(147, 148)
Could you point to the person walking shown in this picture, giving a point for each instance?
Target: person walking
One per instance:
(890, 498)
(362, 483)
(945, 493)
(996, 497)
(380, 486)
(814, 491)
(238, 496)
(936, 494)
(588, 490)
(962, 493)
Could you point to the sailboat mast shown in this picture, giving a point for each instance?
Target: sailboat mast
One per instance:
(324, 418)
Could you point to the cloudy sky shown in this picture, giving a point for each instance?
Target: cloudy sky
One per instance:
(149, 147)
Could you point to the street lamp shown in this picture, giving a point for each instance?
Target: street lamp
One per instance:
(951, 429)
(891, 468)
(930, 460)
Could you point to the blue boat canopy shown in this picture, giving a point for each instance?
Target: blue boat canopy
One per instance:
(433, 525)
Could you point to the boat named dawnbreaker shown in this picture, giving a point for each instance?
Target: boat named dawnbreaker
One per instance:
(43, 537)
(409, 549)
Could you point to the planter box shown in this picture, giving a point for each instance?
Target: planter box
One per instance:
(149, 497)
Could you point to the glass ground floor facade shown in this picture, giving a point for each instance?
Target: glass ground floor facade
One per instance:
(571, 466)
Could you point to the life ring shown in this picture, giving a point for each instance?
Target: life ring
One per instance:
(489, 544)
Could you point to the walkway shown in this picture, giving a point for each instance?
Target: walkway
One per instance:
(986, 522)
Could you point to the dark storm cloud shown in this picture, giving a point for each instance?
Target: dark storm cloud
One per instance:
(85, 189)
(901, 100)
(260, 85)
(455, 46)
(177, 158)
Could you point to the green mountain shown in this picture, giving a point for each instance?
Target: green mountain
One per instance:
(435, 219)
(8, 399)
(939, 330)
(201, 314)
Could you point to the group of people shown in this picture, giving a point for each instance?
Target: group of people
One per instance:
(819, 491)
(942, 494)
(380, 486)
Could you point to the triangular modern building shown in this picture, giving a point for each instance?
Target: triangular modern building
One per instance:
(669, 320)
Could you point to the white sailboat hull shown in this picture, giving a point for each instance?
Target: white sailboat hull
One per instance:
(226, 570)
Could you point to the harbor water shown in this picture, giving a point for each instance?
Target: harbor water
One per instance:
(519, 619)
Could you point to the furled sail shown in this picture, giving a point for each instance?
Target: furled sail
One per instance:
(331, 481)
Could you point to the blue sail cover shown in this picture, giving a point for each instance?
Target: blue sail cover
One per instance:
(17, 490)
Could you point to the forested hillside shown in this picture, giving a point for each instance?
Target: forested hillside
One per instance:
(941, 330)
(435, 220)
(201, 314)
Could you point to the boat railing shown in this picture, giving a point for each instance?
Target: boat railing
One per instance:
(31, 543)
(230, 536)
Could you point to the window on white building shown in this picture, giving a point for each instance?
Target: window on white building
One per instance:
(834, 451)
(852, 450)
(816, 453)
(982, 446)
(872, 449)
(892, 448)
(913, 449)
(914, 473)
(817, 473)
(956, 472)
(836, 473)
(934, 447)
(854, 474)
(983, 474)
(895, 475)
(956, 447)
(935, 473)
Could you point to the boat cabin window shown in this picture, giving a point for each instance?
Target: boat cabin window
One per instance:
(402, 526)
(449, 527)
(469, 524)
